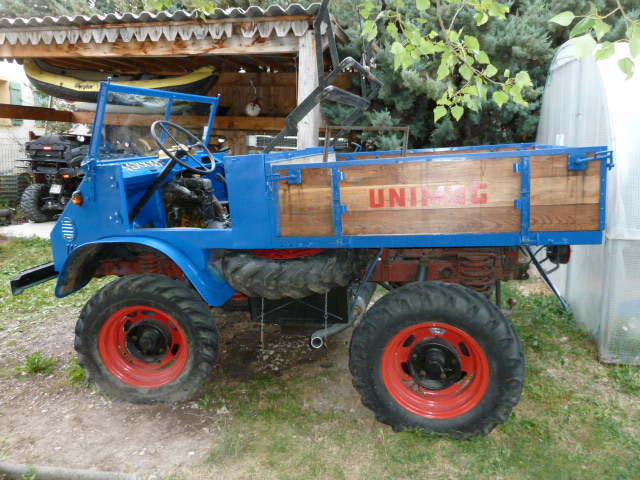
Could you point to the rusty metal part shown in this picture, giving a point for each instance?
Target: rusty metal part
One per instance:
(476, 268)
(478, 272)
(144, 263)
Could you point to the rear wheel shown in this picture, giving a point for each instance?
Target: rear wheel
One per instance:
(147, 338)
(438, 356)
(32, 203)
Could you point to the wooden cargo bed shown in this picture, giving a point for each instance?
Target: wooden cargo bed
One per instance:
(522, 189)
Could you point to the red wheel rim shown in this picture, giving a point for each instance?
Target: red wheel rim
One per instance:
(239, 297)
(282, 253)
(461, 396)
(143, 347)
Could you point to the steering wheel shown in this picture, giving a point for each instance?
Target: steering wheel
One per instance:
(180, 150)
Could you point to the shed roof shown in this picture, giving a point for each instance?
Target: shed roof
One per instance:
(85, 39)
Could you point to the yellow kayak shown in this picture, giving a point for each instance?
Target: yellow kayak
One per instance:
(72, 86)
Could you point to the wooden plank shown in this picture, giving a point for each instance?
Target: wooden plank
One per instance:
(565, 190)
(318, 224)
(558, 166)
(188, 121)
(414, 222)
(306, 210)
(426, 196)
(35, 113)
(234, 45)
(432, 154)
(565, 218)
(436, 171)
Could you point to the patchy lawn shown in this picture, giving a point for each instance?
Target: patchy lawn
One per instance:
(286, 412)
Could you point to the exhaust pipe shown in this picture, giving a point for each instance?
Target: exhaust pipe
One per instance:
(317, 338)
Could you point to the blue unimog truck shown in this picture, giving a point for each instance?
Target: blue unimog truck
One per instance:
(308, 235)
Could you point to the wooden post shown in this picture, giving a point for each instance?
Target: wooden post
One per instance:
(307, 81)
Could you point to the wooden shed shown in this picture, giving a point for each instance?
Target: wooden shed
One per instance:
(272, 49)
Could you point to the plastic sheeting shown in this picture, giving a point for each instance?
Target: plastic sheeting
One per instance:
(590, 103)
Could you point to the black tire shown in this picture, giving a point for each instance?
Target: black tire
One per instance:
(32, 201)
(182, 340)
(292, 277)
(440, 326)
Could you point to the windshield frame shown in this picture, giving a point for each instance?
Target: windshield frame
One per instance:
(101, 110)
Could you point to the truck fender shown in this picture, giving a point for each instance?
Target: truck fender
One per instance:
(79, 267)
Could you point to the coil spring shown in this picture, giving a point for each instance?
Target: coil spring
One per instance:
(149, 263)
(478, 271)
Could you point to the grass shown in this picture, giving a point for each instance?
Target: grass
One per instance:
(37, 304)
(577, 418)
(30, 474)
(77, 374)
(38, 363)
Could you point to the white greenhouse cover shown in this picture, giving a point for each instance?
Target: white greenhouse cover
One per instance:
(589, 103)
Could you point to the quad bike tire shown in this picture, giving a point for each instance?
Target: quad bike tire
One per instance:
(147, 339)
(32, 200)
(439, 357)
(298, 277)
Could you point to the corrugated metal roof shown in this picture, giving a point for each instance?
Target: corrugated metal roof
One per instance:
(273, 11)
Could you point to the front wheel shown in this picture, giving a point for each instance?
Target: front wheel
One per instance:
(147, 339)
(440, 357)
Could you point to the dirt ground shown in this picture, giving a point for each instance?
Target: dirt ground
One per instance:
(47, 420)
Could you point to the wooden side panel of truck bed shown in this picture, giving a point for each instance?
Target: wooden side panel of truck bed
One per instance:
(443, 196)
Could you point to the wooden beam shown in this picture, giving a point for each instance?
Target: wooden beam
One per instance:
(188, 121)
(309, 126)
(235, 45)
(34, 113)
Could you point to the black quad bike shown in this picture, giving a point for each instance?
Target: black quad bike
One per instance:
(54, 163)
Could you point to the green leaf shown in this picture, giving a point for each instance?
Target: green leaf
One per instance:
(634, 42)
(627, 66)
(425, 46)
(443, 71)
(438, 113)
(481, 18)
(497, 10)
(482, 91)
(601, 28)
(490, 71)
(516, 94)
(444, 100)
(397, 48)
(523, 79)
(457, 112)
(392, 28)
(482, 57)
(466, 71)
(582, 26)
(472, 43)
(564, 18)
(507, 73)
(370, 30)
(454, 36)
(606, 50)
(584, 46)
(500, 98)
(397, 62)
(423, 4)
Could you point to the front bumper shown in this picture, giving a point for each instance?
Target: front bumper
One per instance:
(32, 277)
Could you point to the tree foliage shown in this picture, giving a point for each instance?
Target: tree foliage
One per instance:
(44, 8)
(524, 40)
(595, 25)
